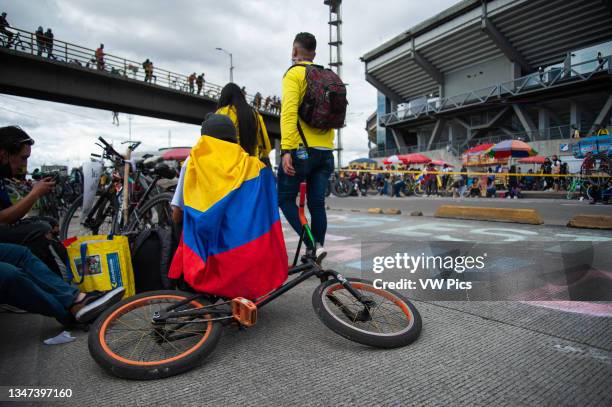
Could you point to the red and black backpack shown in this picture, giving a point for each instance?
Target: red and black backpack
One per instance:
(324, 103)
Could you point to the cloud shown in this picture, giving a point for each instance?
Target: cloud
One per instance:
(181, 36)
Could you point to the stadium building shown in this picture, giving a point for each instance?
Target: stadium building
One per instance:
(487, 70)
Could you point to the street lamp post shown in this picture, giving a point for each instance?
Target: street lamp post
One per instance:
(231, 63)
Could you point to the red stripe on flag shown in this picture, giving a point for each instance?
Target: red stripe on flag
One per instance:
(249, 271)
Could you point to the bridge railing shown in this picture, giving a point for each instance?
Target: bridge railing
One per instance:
(537, 81)
(65, 52)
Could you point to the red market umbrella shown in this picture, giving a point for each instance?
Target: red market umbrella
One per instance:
(414, 158)
(512, 148)
(479, 149)
(536, 159)
(178, 154)
(393, 159)
(441, 162)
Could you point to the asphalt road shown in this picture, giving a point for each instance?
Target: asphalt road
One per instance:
(552, 211)
(469, 352)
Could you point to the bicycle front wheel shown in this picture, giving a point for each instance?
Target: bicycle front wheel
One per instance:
(389, 321)
(126, 343)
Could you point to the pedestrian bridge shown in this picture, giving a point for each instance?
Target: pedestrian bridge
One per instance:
(69, 73)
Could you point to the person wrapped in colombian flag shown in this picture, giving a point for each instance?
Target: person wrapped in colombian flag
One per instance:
(232, 243)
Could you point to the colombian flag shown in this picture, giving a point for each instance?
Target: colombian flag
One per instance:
(232, 244)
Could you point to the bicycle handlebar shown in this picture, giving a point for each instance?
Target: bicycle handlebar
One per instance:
(109, 149)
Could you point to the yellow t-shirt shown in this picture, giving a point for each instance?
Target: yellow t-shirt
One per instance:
(294, 88)
(263, 148)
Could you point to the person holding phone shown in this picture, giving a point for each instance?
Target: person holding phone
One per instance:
(39, 234)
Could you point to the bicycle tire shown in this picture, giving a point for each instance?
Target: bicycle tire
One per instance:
(165, 199)
(341, 189)
(346, 328)
(100, 203)
(112, 357)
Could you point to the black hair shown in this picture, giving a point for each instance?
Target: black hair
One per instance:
(13, 138)
(231, 95)
(306, 41)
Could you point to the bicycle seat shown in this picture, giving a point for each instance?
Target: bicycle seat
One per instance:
(164, 171)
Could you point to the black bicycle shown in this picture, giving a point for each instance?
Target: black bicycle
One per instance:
(163, 333)
(111, 213)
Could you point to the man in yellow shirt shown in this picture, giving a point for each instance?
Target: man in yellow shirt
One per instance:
(307, 156)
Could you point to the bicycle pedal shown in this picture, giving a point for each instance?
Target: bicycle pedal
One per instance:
(244, 311)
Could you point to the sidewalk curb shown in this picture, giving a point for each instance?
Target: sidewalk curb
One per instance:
(527, 216)
(590, 222)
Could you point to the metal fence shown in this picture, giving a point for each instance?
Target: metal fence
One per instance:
(85, 58)
(537, 81)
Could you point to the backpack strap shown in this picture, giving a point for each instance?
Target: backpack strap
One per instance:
(299, 127)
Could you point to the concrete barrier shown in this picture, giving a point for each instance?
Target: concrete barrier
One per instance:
(529, 216)
(591, 222)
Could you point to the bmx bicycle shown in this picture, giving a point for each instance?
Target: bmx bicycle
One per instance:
(163, 333)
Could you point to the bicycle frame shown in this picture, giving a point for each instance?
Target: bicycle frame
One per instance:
(310, 267)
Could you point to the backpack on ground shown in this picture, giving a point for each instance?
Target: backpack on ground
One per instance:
(324, 103)
(152, 253)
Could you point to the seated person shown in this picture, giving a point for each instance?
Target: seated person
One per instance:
(491, 190)
(232, 243)
(528, 181)
(475, 187)
(601, 193)
(398, 185)
(513, 185)
(39, 234)
(27, 283)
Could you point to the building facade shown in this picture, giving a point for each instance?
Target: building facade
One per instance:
(487, 70)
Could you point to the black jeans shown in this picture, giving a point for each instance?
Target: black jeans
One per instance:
(315, 170)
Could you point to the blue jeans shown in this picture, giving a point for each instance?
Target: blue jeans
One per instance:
(315, 170)
(27, 283)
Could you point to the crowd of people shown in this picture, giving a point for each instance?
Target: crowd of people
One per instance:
(192, 83)
(498, 181)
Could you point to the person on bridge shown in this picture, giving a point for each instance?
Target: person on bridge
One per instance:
(200, 82)
(4, 24)
(40, 40)
(251, 130)
(306, 151)
(191, 79)
(100, 57)
(49, 42)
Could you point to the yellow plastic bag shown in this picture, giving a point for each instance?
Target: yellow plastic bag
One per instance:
(101, 263)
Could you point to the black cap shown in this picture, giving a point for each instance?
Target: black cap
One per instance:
(219, 126)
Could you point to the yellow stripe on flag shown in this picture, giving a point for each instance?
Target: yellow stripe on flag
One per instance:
(216, 168)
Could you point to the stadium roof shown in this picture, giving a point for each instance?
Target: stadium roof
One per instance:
(531, 33)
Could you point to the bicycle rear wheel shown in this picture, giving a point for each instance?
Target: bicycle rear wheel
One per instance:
(155, 212)
(102, 218)
(125, 342)
(390, 321)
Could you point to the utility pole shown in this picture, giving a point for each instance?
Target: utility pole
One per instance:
(169, 138)
(129, 127)
(335, 42)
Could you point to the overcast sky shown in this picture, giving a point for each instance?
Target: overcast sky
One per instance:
(181, 36)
